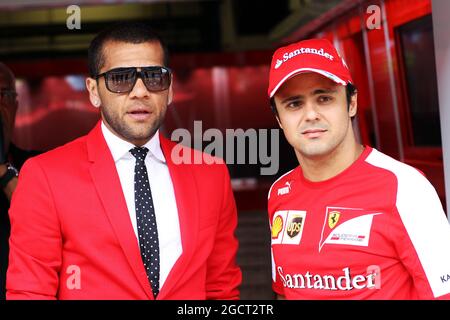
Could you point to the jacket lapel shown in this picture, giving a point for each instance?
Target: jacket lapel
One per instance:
(107, 182)
(186, 195)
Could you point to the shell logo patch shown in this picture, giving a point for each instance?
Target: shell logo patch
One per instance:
(277, 227)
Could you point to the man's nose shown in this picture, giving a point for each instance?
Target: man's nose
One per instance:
(139, 90)
(311, 111)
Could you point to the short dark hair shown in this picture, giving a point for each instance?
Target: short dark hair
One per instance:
(129, 32)
(350, 91)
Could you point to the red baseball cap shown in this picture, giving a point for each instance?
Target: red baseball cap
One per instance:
(314, 55)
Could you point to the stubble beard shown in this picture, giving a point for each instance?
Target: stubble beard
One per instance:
(142, 132)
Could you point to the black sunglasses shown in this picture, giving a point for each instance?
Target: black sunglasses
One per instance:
(122, 80)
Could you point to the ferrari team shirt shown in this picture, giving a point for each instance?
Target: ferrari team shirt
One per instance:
(375, 231)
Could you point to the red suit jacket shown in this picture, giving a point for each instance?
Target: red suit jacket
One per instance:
(72, 237)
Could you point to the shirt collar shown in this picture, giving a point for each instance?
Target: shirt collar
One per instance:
(120, 148)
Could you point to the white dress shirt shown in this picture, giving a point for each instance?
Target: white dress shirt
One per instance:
(163, 195)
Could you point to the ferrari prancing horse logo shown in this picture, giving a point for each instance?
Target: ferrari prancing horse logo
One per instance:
(333, 218)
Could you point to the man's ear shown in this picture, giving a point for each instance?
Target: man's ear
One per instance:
(275, 111)
(279, 121)
(94, 97)
(353, 108)
(170, 95)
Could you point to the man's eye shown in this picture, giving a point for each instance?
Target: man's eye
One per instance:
(293, 104)
(324, 99)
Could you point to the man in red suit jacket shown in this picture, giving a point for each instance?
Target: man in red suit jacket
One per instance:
(73, 234)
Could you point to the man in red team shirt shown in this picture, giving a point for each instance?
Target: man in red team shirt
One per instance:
(349, 222)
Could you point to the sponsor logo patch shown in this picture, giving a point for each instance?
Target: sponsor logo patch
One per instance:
(277, 227)
(344, 281)
(287, 226)
(347, 226)
(278, 63)
(445, 278)
(333, 218)
(284, 190)
(294, 227)
(291, 54)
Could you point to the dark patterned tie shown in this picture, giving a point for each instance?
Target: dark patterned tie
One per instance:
(146, 219)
